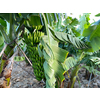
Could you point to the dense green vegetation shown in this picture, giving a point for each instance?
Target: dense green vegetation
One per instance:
(54, 43)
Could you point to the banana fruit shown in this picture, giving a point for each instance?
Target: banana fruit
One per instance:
(32, 40)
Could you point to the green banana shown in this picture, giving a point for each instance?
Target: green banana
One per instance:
(32, 40)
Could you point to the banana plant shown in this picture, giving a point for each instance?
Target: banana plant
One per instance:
(54, 72)
(56, 61)
(53, 65)
(89, 32)
(93, 36)
(88, 46)
(49, 43)
(10, 26)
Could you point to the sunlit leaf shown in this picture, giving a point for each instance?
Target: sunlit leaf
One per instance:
(93, 32)
(69, 63)
(59, 54)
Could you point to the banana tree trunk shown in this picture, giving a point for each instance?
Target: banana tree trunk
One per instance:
(74, 76)
(6, 66)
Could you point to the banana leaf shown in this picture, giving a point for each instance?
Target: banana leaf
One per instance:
(93, 32)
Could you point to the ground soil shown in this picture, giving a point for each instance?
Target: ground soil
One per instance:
(23, 77)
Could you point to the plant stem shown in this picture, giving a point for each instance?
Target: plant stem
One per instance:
(3, 50)
(68, 74)
(74, 75)
(4, 34)
(46, 28)
(89, 80)
(22, 21)
(7, 71)
(11, 26)
(73, 82)
(2, 64)
(24, 54)
(79, 81)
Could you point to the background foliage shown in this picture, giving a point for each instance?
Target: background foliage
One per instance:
(54, 42)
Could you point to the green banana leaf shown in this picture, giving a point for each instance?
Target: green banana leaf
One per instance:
(3, 23)
(34, 20)
(96, 60)
(64, 37)
(1, 39)
(74, 22)
(5, 16)
(71, 39)
(53, 58)
(67, 21)
(49, 74)
(69, 63)
(91, 69)
(48, 18)
(6, 38)
(39, 50)
(1, 42)
(93, 33)
(59, 53)
(84, 21)
(58, 69)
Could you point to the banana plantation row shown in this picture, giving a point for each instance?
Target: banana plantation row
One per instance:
(52, 44)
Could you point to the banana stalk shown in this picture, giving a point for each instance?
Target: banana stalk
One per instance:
(74, 75)
(6, 72)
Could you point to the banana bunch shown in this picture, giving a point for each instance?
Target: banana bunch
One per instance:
(32, 41)
(37, 63)
(39, 27)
